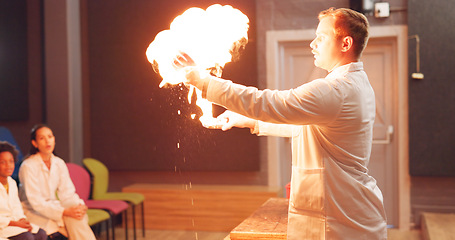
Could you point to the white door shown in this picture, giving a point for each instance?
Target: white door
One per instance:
(294, 66)
(379, 61)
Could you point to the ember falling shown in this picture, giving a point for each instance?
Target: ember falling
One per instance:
(212, 37)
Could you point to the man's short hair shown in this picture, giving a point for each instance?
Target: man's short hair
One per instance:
(7, 147)
(349, 23)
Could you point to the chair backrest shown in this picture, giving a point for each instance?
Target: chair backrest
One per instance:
(81, 180)
(100, 176)
(6, 135)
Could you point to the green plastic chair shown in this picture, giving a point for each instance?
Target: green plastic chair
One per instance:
(100, 175)
(96, 216)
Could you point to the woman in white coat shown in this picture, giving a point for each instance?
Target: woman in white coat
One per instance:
(13, 223)
(48, 194)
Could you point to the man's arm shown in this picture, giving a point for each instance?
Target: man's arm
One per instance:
(229, 119)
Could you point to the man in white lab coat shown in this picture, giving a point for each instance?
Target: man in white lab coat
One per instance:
(330, 121)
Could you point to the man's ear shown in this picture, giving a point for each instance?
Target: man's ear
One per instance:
(347, 43)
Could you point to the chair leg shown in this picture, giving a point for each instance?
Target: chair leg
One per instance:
(143, 222)
(113, 226)
(133, 207)
(107, 229)
(126, 224)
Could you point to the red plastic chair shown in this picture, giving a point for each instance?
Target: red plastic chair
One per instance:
(82, 183)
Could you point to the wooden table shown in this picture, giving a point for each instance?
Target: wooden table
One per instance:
(268, 222)
(199, 207)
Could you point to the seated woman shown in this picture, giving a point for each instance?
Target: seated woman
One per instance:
(13, 224)
(48, 194)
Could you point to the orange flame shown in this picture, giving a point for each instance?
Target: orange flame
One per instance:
(212, 37)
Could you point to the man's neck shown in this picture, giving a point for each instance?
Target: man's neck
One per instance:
(339, 65)
(344, 59)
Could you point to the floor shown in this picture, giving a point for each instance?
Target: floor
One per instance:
(167, 235)
(393, 234)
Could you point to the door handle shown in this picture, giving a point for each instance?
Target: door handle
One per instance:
(388, 137)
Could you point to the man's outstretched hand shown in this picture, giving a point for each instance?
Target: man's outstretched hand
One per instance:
(183, 60)
(194, 75)
(228, 120)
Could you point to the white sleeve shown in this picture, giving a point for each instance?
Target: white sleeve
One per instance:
(316, 102)
(66, 190)
(45, 205)
(5, 218)
(16, 206)
(273, 129)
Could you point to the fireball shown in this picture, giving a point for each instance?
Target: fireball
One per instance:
(212, 37)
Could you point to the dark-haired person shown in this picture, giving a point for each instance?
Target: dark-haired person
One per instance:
(330, 121)
(48, 194)
(13, 223)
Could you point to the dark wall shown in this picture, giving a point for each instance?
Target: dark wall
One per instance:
(431, 100)
(32, 67)
(13, 61)
(135, 125)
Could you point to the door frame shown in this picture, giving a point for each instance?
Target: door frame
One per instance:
(274, 40)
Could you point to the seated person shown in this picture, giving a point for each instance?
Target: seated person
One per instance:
(13, 224)
(48, 194)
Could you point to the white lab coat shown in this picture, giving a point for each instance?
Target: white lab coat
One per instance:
(330, 121)
(11, 210)
(40, 188)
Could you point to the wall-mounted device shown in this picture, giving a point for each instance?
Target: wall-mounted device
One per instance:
(364, 6)
(418, 74)
(378, 8)
(381, 9)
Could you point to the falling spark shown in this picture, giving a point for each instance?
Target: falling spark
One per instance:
(212, 37)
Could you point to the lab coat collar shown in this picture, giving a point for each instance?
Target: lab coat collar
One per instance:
(3, 192)
(2, 187)
(342, 70)
(43, 165)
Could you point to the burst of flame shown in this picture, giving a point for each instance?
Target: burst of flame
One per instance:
(212, 37)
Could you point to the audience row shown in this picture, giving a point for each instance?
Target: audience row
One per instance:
(46, 205)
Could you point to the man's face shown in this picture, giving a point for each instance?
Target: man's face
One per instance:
(326, 48)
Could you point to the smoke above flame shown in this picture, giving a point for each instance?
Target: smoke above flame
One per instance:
(211, 37)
